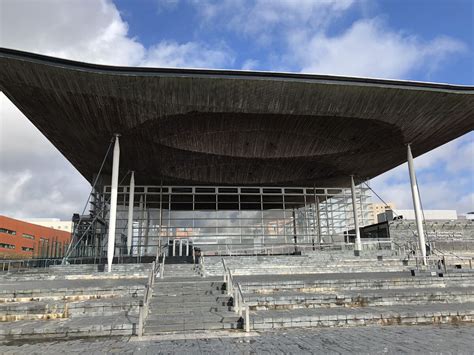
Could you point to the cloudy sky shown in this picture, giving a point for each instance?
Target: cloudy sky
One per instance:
(426, 40)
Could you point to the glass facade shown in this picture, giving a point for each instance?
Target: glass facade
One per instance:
(236, 219)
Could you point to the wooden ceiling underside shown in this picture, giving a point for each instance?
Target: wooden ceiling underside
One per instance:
(218, 129)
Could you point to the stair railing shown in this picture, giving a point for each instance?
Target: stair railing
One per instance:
(235, 291)
(162, 266)
(143, 308)
(201, 265)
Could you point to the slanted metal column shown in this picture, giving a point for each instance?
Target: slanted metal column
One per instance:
(416, 204)
(113, 204)
(358, 245)
(131, 198)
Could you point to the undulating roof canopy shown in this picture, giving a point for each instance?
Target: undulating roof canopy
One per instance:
(221, 127)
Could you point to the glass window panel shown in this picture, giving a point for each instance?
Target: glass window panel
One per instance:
(272, 198)
(182, 189)
(205, 189)
(228, 190)
(272, 191)
(250, 190)
(250, 206)
(293, 191)
(205, 198)
(250, 198)
(181, 198)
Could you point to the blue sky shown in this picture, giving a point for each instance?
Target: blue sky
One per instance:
(182, 21)
(424, 40)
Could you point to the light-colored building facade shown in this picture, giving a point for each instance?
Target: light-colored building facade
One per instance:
(428, 214)
(55, 223)
(378, 208)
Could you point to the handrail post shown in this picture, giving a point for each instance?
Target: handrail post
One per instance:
(140, 320)
(247, 319)
(237, 301)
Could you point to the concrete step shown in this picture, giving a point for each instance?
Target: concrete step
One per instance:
(52, 309)
(343, 317)
(157, 328)
(68, 294)
(348, 282)
(193, 321)
(15, 311)
(189, 309)
(109, 307)
(364, 298)
(66, 328)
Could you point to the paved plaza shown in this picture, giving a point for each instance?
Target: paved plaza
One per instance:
(394, 339)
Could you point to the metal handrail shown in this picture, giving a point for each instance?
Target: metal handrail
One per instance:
(235, 292)
(435, 259)
(286, 247)
(162, 266)
(202, 265)
(143, 311)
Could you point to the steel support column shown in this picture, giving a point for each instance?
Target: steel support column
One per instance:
(113, 204)
(318, 220)
(140, 228)
(358, 245)
(131, 198)
(416, 204)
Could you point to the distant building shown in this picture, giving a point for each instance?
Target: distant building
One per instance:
(54, 223)
(20, 239)
(428, 214)
(378, 208)
(468, 215)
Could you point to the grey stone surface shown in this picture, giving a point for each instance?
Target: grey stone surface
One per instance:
(366, 340)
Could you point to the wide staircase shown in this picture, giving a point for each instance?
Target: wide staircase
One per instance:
(298, 291)
(183, 301)
(317, 263)
(82, 303)
(279, 291)
(361, 299)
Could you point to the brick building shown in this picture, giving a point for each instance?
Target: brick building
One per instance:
(22, 240)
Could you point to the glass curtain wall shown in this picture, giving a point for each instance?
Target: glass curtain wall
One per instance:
(238, 219)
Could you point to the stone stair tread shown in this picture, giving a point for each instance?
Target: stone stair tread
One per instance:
(363, 292)
(73, 325)
(201, 317)
(409, 310)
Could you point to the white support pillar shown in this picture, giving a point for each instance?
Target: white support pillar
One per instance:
(358, 245)
(131, 201)
(187, 247)
(113, 204)
(416, 204)
(140, 227)
(180, 247)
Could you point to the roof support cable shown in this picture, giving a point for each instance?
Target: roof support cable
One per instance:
(395, 213)
(90, 224)
(88, 198)
(428, 239)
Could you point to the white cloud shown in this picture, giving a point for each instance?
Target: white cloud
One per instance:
(445, 177)
(35, 179)
(250, 64)
(39, 182)
(368, 49)
(263, 19)
(190, 54)
(88, 30)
